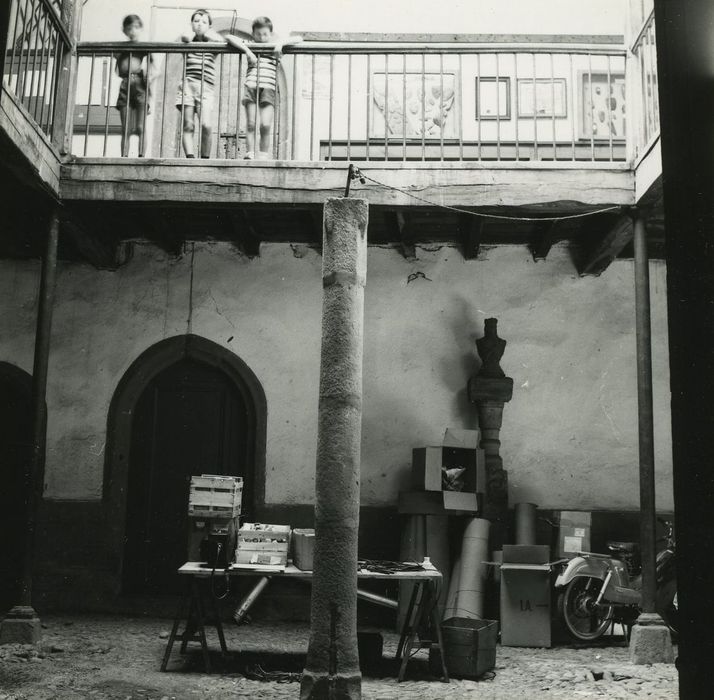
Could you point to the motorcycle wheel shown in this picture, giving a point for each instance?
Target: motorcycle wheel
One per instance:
(577, 610)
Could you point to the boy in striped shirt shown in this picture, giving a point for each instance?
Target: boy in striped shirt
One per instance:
(195, 93)
(261, 85)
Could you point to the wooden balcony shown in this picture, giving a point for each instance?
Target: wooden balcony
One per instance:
(516, 137)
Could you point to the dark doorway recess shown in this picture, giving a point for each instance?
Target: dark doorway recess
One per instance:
(190, 419)
(185, 406)
(15, 453)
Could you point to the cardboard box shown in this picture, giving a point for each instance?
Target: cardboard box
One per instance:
(303, 548)
(428, 464)
(573, 532)
(525, 596)
(455, 437)
(525, 554)
(426, 468)
(438, 502)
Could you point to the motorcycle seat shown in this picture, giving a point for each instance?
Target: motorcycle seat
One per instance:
(624, 547)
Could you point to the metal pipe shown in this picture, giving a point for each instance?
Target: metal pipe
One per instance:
(367, 596)
(648, 518)
(33, 475)
(248, 601)
(377, 599)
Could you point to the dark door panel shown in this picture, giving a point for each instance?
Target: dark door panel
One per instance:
(191, 419)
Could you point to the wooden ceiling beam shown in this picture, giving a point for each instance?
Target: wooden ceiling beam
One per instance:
(101, 249)
(543, 239)
(471, 234)
(245, 232)
(400, 229)
(610, 246)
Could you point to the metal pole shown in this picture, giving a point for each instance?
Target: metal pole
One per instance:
(39, 410)
(648, 518)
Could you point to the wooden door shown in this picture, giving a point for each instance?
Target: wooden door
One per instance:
(191, 419)
(15, 454)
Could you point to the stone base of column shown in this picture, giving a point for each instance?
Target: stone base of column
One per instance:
(651, 641)
(21, 626)
(319, 686)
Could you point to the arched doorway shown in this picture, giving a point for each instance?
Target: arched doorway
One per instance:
(185, 406)
(15, 454)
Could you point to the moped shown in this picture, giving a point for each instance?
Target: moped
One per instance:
(599, 590)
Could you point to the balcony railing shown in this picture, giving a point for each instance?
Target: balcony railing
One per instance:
(37, 50)
(369, 101)
(644, 51)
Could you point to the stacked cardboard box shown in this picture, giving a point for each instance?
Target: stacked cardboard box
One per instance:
(525, 596)
(448, 477)
(573, 532)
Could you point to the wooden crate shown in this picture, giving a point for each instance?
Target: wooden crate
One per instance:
(261, 545)
(469, 646)
(213, 496)
(259, 535)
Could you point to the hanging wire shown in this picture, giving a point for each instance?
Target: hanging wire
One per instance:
(357, 173)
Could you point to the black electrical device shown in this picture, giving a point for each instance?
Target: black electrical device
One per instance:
(217, 548)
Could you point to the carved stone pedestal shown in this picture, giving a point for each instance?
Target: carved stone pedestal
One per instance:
(490, 390)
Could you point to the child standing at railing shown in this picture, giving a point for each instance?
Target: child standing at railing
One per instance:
(261, 85)
(132, 102)
(195, 93)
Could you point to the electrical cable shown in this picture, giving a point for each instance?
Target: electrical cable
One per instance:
(502, 217)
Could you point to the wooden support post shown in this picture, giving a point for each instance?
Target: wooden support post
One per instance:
(332, 667)
(650, 640)
(22, 623)
(685, 57)
(648, 517)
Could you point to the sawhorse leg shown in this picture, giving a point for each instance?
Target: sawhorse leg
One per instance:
(195, 622)
(417, 619)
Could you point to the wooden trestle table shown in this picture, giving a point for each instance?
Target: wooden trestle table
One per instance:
(421, 627)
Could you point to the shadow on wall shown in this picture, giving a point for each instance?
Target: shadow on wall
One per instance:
(466, 327)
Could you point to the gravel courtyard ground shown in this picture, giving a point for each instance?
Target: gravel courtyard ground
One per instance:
(111, 658)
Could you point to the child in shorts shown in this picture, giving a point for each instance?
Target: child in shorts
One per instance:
(260, 85)
(195, 94)
(133, 91)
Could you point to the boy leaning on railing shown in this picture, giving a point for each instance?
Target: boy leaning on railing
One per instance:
(195, 94)
(261, 85)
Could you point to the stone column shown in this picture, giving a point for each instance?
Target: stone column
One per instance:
(332, 667)
(22, 625)
(490, 389)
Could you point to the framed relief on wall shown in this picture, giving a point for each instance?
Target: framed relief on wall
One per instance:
(602, 105)
(493, 98)
(547, 95)
(413, 105)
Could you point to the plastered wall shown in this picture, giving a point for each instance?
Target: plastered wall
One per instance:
(569, 437)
